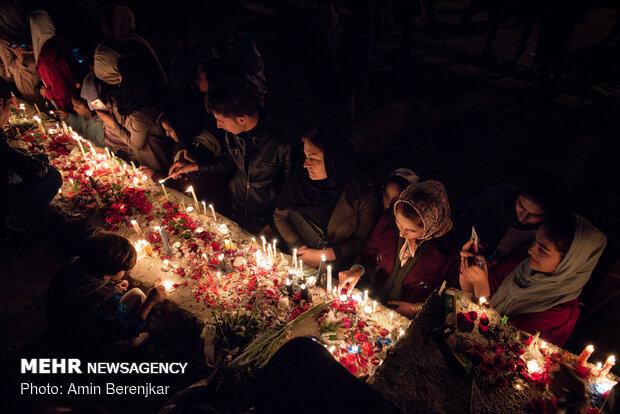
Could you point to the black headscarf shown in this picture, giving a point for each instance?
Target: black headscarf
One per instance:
(316, 199)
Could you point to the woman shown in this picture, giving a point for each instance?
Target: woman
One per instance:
(325, 209)
(131, 123)
(410, 252)
(53, 59)
(395, 184)
(540, 293)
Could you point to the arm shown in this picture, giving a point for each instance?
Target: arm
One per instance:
(366, 214)
(286, 229)
(474, 277)
(22, 163)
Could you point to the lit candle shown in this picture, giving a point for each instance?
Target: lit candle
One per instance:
(212, 212)
(189, 209)
(92, 149)
(401, 332)
(135, 170)
(532, 366)
(295, 258)
(227, 244)
(544, 348)
(329, 280)
(147, 248)
(301, 269)
(168, 285)
(585, 354)
(166, 266)
(136, 227)
(204, 207)
(164, 238)
(37, 108)
(391, 316)
(365, 297)
(64, 127)
(270, 253)
(163, 187)
(254, 241)
(191, 190)
(482, 301)
(595, 371)
(60, 193)
(36, 118)
(274, 246)
(368, 309)
(264, 242)
(534, 339)
(611, 361)
(374, 305)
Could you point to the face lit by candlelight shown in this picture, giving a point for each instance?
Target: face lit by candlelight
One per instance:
(170, 132)
(80, 108)
(528, 211)
(544, 256)
(234, 125)
(315, 161)
(407, 228)
(390, 194)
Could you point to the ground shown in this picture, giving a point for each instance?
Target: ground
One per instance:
(442, 111)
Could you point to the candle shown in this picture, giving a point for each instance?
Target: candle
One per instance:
(611, 361)
(374, 305)
(64, 127)
(532, 366)
(168, 285)
(482, 301)
(368, 309)
(270, 253)
(264, 242)
(391, 316)
(401, 332)
(301, 269)
(17, 107)
(534, 339)
(164, 238)
(191, 190)
(204, 207)
(147, 248)
(329, 280)
(295, 258)
(136, 227)
(36, 118)
(37, 108)
(254, 241)
(365, 297)
(135, 170)
(92, 150)
(585, 354)
(274, 247)
(189, 209)
(166, 266)
(212, 212)
(60, 193)
(227, 244)
(163, 187)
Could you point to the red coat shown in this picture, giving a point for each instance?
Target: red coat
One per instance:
(439, 262)
(56, 75)
(555, 324)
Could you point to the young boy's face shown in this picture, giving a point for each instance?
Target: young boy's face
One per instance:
(79, 108)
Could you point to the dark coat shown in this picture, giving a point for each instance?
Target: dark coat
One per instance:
(350, 223)
(439, 262)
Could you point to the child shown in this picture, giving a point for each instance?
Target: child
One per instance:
(86, 303)
(83, 121)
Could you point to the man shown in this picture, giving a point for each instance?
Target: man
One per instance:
(27, 181)
(258, 153)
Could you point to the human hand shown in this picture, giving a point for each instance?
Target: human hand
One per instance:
(123, 284)
(349, 278)
(157, 294)
(106, 118)
(473, 267)
(43, 92)
(182, 168)
(404, 308)
(61, 114)
(311, 257)
(149, 172)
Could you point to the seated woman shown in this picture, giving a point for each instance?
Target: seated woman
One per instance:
(325, 209)
(87, 302)
(541, 292)
(506, 217)
(395, 184)
(84, 122)
(130, 124)
(411, 250)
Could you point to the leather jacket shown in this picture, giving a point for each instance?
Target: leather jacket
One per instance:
(261, 161)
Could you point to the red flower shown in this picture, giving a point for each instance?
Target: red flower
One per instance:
(384, 332)
(346, 323)
(483, 324)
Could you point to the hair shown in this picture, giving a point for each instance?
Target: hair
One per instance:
(105, 253)
(5, 91)
(407, 211)
(548, 189)
(560, 230)
(77, 98)
(399, 181)
(216, 69)
(331, 139)
(232, 97)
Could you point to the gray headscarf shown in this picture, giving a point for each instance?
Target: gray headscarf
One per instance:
(525, 291)
(106, 65)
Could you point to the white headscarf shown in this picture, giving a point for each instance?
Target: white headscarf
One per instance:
(42, 29)
(106, 65)
(525, 291)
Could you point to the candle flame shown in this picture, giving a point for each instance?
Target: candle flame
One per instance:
(168, 284)
(482, 300)
(189, 189)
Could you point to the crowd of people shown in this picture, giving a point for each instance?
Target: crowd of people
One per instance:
(203, 122)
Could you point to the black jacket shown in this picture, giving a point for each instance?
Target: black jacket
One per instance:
(258, 162)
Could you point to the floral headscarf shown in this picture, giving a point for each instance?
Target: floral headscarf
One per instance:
(430, 200)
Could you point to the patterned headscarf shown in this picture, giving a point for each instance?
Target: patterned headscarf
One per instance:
(526, 291)
(430, 200)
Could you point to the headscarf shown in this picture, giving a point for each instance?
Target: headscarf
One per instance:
(106, 65)
(430, 200)
(89, 90)
(123, 22)
(526, 291)
(406, 174)
(42, 29)
(316, 199)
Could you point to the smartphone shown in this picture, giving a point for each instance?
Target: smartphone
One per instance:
(98, 105)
